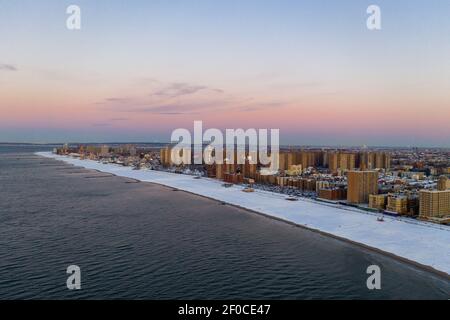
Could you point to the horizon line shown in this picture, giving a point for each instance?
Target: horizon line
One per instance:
(168, 143)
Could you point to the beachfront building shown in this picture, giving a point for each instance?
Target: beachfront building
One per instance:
(361, 184)
(434, 203)
(397, 204)
(378, 201)
(332, 193)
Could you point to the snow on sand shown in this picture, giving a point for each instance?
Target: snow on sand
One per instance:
(424, 243)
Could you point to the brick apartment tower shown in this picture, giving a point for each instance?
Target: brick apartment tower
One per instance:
(434, 203)
(361, 184)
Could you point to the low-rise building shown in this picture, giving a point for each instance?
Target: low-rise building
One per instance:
(443, 183)
(397, 204)
(378, 201)
(332, 194)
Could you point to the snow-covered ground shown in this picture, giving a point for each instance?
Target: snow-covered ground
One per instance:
(425, 243)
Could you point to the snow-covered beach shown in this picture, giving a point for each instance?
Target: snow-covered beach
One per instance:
(422, 243)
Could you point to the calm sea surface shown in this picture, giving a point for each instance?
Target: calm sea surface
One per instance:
(143, 241)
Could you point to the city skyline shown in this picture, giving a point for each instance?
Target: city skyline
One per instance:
(311, 69)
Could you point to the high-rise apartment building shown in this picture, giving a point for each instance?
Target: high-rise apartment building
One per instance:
(282, 161)
(333, 161)
(361, 184)
(340, 161)
(291, 159)
(347, 161)
(374, 160)
(434, 203)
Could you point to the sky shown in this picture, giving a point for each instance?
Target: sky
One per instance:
(137, 70)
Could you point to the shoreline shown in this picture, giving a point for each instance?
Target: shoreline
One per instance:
(439, 268)
(415, 264)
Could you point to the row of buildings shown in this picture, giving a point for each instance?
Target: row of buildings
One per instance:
(336, 161)
(403, 184)
(358, 178)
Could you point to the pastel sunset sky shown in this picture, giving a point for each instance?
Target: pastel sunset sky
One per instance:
(139, 69)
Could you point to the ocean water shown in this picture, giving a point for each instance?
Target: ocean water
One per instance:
(142, 241)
